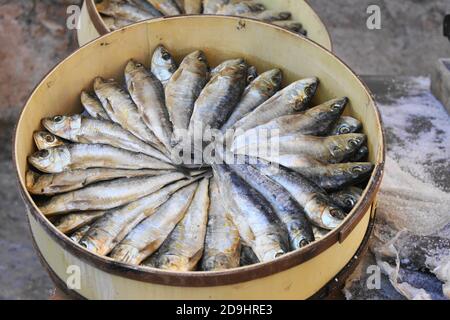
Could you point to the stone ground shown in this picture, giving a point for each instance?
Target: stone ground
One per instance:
(34, 38)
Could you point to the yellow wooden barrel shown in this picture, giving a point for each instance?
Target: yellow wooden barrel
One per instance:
(92, 25)
(296, 275)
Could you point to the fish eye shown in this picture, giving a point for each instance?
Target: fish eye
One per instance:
(336, 148)
(43, 153)
(303, 243)
(336, 107)
(349, 201)
(49, 138)
(308, 91)
(58, 119)
(201, 58)
(353, 142)
(344, 129)
(357, 169)
(165, 55)
(139, 65)
(335, 212)
(250, 78)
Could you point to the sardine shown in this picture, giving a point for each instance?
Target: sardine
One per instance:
(183, 90)
(212, 6)
(315, 121)
(294, 98)
(149, 235)
(193, 6)
(252, 74)
(332, 149)
(183, 249)
(359, 155)
(84, 156)
(74, 221)
(219, 97)
(287, 209)
(92, 131)
(122, 110)
(268, 15)
(248, 257)
(257, 92)
(163, 65)
(116, 224)
(77, 235)
(258, 225)
(108, 195)
(317, 205)
(114, 24)
(147, 6)
(345, 125)
(167, 7)
(347, 198)
(225, 64)
(222, 242)
(93, 106)
(320, 233)
(51, 184)
(123, 10)
(46, 140)
(147, 93)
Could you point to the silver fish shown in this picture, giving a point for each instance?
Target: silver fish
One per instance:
(347, 198)
(74, 221)
(116, 224)
(92, 131)
(147, 6)
(252, 74)
(287, 209)
(122, 10)
(122, 110)
(149, 235)
(248, 257)
(345, 125)
(77, 235)
(167, 7)
(294, 98)
(183, 90)
(183, 249)
(212, 6)
(360, 155)
(318, 207)
(84, 156)
(257, 92)
(258, 225)
(46, 140)
(108, 195)
(320, 233)
(163, 65)
(50, 184)
(114, 24)
(93, 106)
(222, 242)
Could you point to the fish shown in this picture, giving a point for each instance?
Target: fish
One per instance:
(212, 6)
(84, 156)
(46, 140)
(147, 6)
(167, 7)
(218, 98)
(257, 92)
(222, 241)
(107, 195)
(116, 224)
(289, 24)
(93, 106)
(360, 155)
(332, 149)
(114, 24)
(252, 74)
(84, 130)
(248, 257)
(122, 110)
(77, 235)
(347, 198)
(225, 64)
(268, 15)
(292, 99)
(337, 176)
(122, 10)
(240, 8)
(72, 222)
(183, 90)
(315, 121)
(150, 234)
(320, 233)
(318, 206)
(258, 224)
(183, 249)
(193, 6)
(163, 65)
(51, 184)
(289, 212)
(345, 125)
(148, 94)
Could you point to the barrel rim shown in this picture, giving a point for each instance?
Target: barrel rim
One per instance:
(102, 29)
(217, 278)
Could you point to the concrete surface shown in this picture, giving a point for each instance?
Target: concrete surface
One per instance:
(34, 38)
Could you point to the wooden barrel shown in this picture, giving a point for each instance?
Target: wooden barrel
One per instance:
(92, 25)
(296, 275)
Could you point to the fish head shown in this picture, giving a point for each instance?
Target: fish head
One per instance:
(46, 140)
(337, 106)
(54, 160)
(252, 74)
(347, 198)
(347, 125)
(303, 93)
(101, 85)
(162, 58)
(235, 68)
(196, 62)
(343, 145)
(218, 262)
(326, 214)
(226, 64)
(134, 68)
(269, 82)
(174, 262)
(359, 170)
(31, 178)
(63, 126)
